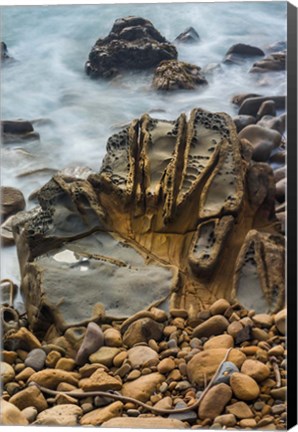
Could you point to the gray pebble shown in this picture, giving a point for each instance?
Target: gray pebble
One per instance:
(169, 352)
(163, 388)
(133, 412)
(123, 370)
(278, 409)
(195, 343)
(36, 359)
(93, 340)
(183, 385)
(100, 401)
(189, 416)
(172, 343)
(225, 372)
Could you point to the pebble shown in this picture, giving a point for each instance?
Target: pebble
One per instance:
(123, 370)
(166, 365)
(12, 388)
(25, 374)
(153, 345)
(279, 393)
(219, 307)
(263, 320)
(181, 313)
(119, 358)
(101, 381)
(93, 340)
(133, 412)
(240, 409)
(60, 415)
(169, 329)
(74, 336)
(142, 330)
(182, 386)
(52, 358)
(277, 350)
(244, 387)
(50, 378)
(280, 321)
(19, 367)
(234, 328)
(105, 355)
(112, 338)
(11, 415)
(143, 387)
(87, 407)
(100, 415)
(30, 413)
(171, 352)
(7, 372)
(100, 401)
(155, 422)
(24, 337)
(215, 401)
(278, 409)
(172, 343)
(248, 423)
(221, 341)
(9, 356)
(215, 325)
(259, 334)
(88, 369)
(142, 356)
(225, 373)
(227, 420)
(255, 369)
(164, 403)
(36, 359)
(195, 343)
(164, 387)
(66, 364)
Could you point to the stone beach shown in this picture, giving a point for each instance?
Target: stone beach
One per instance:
(182, 322)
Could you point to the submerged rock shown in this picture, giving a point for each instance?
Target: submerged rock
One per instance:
(175, 75)
(14, 131)
(152, 227)
(189, 35)
(272, 63)
(133, 43)
(236, 53)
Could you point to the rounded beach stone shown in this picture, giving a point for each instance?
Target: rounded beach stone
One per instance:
(255, 369)
(36, 359)
(100, 380)
(30, 413)
(93, 340)
(219, 307)
(263, 320)
(29, 397)
(60, 415)
(215, 325)
(228, 420)
(142, 330)
(166, 365)
(51, 378)
(142, 356)
(104, 355)
(144, 422)
(12, 201)
(112, 338)
(244, 387)
(280, 321)
(7, 372)
(221, 341)
(240, 409)
(215, 401)
(10, 415)
(205, 363)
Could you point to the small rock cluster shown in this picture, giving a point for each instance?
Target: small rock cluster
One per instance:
(157, 358)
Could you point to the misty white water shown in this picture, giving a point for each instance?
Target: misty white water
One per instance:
(47, 81)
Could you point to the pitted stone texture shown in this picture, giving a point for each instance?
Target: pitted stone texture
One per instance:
(177, 75)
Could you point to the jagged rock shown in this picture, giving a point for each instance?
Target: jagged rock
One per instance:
(4, 52)
(60, 415)
(251, 105)
(276, 47)
(155, 223)
(93, 340)
(14, 131)
(175, 75)
(29, 397)
(238, 99)
(240, 51)
(12, 201)
(189, 35)
(274, 62)
(133, 43)
(6, 233)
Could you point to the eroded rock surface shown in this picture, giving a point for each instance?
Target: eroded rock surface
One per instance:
(177, 211)
(133, 43)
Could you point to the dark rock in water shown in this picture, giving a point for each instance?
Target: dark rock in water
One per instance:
(241, 121)
(132, 44)
(262, 151)
(175, 75)
(36, 359)
(258, 135)
(188, 36)
(17, 131)
(276, 47)
(4, 52)
(275, 123)
(168, 192)
(12, 201)
(267, 107)
(240, 51)
(225, 372)
(250, 106)
(272, 63)
(278, 157)
(93, 340)
(238, 99)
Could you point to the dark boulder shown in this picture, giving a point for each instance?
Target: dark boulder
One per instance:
(17, 131)
(174, 75)
(132, 44)
(251, 105)
(236, 53)
(189, 35)
(273, 63)
(241, 121)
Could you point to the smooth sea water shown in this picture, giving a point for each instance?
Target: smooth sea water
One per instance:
(47, 81)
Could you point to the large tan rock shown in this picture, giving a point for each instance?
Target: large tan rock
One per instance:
(142, 356)
(221, 341)
(100, 380)
(142, 388)
(30, 396)
(255, 369)
(24, 339)
(213, 326)
(50, 378)
(104, 355)
(101, 415)
(10, 415)
(205, 363)
(215, 401)
(244, 387)
(144, 422)
(60, 415)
